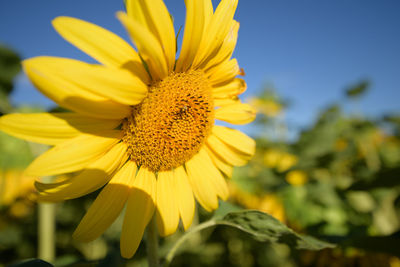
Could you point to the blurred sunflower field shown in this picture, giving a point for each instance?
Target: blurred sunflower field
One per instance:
(337, 184)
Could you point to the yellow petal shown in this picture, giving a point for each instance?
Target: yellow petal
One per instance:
(226, 152)
(216, 31)
(107, 206)
(68, 93)
(101, 44)
(154, 16)
(208, 12)
(148, 46)
(237, 113)
(200, 174)
(52, 128)
(94, 176)
(139, 211)
(224, 72)
(225, 51)
(194, 27)
(214, 175)
(184, 196)
(223, 166)
(235, 139)
(73, 155)
(116, 84)
(219, 102)
(167, 207)
(230, 89)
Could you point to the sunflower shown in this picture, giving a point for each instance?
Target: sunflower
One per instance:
(142, 124)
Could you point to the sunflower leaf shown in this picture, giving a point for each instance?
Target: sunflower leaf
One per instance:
(32, 263)
(263, 227)
(260, 226)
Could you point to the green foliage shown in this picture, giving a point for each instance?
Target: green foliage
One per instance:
(345, 189)
(357, 90)
(10, 66)
(352, 192)
(14, 153)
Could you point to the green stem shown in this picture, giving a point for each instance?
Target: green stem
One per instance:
(152, 243)
(46, 231)
(195, 229)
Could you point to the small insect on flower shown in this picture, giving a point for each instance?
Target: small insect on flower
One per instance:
(141, 126)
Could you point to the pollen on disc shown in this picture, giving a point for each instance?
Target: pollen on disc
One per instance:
(171, 123)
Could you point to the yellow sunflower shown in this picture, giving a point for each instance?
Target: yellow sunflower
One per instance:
(142, 123)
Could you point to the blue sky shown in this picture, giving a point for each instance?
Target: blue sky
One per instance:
(309, 50)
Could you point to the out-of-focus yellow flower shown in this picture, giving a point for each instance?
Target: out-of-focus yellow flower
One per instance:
(13, 184)
(377, 137)
(394, 262)
(280, 160)
(272, 205)
(268, 107)
(272, 157)
(341, 144)
(268, 203)
(286, 162)
(21, 208)
(296, 177)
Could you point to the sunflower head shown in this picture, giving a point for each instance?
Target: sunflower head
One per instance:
(170, 126)
(142, 123)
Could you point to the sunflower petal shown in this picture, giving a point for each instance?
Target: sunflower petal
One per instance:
(73, 155)
(116, 84)
(224, 72)
(226, 152)
(148, 46)
(226, 49)
(208, 12)
(154, 16)
(194, 28)
(69, 94)
(216, 31)
(230, 89)
(101, 44)
(184, 195)
(167, 207)
(223, 166)
(200, 173)
(219, 102)
(52, 128)
(139, 211)
(215, 176)
(107, 206)
(93, 177)
(237, 113)
(235, 139)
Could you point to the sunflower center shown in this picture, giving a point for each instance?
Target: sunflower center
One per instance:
(171, 123)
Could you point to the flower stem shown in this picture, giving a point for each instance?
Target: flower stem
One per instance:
(46, 230)
(152, 243)
(197, 228)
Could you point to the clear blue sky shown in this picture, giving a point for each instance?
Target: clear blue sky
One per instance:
(309, 50)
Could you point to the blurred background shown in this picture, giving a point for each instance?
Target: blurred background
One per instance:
(324, 78)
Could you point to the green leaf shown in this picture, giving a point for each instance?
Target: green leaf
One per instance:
(32, 263)
(357, 90)
(10, 66)
(260, 226)
(386, 178)
(264, 227)
(224, 209)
